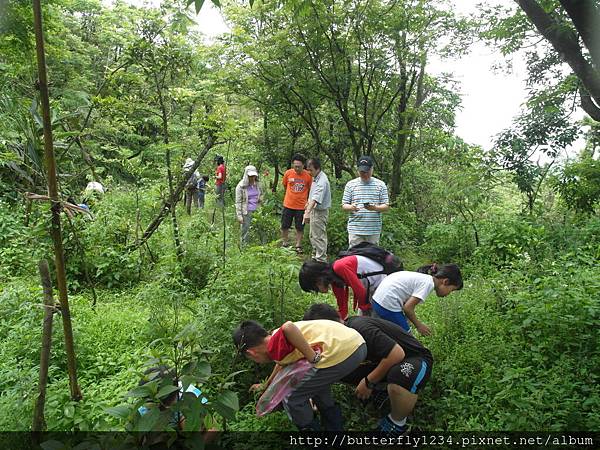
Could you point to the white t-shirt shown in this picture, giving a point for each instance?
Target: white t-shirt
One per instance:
(366, 265)
(398, 287)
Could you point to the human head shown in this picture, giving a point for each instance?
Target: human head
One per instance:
(447, 278)
(219, 160)
(189, 162)
(314, 166)
(251, 173)
(321, 311)
(365, 167)
(205, 177)
(249, 338)
(298, 161)
(315, 276)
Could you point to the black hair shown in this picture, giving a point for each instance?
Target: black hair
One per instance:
(205, 177)
(312, 272)
(299, 157)
(219, 159)
(321, 311)
(249, 334)
(449, 271)
(315, 162)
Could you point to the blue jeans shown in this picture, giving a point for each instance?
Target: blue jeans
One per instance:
(396, 317)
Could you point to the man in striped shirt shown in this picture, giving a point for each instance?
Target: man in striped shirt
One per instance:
(365, 198)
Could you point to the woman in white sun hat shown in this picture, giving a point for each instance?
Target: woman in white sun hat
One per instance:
(248, 197)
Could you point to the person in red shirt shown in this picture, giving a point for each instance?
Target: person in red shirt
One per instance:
(296, 182)
(220, 176)
(360, 273)
(333, 349)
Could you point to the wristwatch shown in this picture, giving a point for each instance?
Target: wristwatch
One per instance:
(317, 357)
(369, 384)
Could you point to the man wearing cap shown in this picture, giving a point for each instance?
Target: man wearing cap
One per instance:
(365, 198)
(317, 209)
(220, 176)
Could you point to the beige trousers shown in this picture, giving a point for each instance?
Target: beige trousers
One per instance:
(318, 233)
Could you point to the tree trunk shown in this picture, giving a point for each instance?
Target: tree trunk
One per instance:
(56, 233)
(39, 424)
(566, 43)
(170, 202)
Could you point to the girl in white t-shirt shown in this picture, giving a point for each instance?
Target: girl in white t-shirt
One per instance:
(399, 293)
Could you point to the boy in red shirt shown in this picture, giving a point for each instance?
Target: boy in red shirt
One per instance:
(296, 182)
(333, 349)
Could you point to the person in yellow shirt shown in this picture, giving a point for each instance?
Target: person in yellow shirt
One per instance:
(334, 350)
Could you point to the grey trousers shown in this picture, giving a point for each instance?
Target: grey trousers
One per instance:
(316, 384)
(246, 226)
(220, 191)
(318, 233)
(354, 239)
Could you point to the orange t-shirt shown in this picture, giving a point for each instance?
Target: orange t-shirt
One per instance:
(296, 188)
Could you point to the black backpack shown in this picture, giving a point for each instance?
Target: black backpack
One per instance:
(390, 262)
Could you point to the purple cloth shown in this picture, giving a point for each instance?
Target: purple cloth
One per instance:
(252, 191)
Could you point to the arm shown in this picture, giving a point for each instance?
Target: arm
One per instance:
(309, 207)
(346, 268)
(347, 200)
(378, 373)
(284, 181)
(409, 312)
(219, 174)
(381, 208)
(295, 337)
(384, 201)
(238, 202)
(265, 385)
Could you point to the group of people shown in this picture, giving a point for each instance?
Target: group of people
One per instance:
(307, 199)
(375, 351)
(195, 187)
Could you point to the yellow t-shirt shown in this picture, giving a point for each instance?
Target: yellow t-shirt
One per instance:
(337, 342)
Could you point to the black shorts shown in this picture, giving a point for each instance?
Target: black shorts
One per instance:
(287, 215)
(412, 374)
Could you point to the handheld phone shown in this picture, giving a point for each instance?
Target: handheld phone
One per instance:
(367, 204)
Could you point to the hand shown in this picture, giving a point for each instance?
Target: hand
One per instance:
(241, 220)
(371, 207)
(258, 387)
(355, 207)
(424, 330)
(362, 391)
(306, 217)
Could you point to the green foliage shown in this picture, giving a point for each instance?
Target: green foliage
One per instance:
(579, 184)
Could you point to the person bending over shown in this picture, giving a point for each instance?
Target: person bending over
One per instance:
(400, 292)
(396, 362)
(350, 271)
(334, 349)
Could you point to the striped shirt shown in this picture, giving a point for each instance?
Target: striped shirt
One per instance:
(364, 222)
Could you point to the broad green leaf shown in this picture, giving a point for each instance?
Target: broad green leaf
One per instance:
(121, 411)
(227, 404)
(148, 420)
(166, 390)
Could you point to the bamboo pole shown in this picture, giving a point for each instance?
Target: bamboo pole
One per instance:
(50, 164)
(39, 424)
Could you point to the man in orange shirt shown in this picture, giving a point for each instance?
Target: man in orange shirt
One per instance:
(296, 182)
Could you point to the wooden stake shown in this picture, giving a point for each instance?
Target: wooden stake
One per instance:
(39, 424)
(50, 164)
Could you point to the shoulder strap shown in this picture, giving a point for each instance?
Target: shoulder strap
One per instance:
(370, 274)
